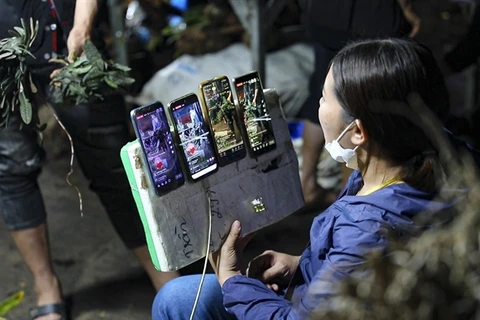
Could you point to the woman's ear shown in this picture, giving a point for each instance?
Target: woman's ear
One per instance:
(359, 134)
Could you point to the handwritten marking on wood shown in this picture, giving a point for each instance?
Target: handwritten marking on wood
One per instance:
(187, 245)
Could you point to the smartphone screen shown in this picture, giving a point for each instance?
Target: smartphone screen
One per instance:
(194, 136)
(152, 129)
(223, 117)
(255, 113)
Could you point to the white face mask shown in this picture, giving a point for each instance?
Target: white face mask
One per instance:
(339, 154)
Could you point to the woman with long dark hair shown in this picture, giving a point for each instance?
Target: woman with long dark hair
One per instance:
(371, 125)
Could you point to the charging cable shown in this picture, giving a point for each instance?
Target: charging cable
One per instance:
(209, 239)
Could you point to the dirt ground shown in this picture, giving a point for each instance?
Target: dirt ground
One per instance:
(104, 279)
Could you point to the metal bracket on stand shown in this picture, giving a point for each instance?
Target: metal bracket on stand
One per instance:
(256, 17)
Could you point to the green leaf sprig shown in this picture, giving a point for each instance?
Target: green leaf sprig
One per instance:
(88, 78)
(16, 86)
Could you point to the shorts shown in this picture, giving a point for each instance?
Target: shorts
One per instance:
(98, 131)
(21, 159)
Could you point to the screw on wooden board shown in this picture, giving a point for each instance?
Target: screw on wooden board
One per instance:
(144, 182)
(138, 162)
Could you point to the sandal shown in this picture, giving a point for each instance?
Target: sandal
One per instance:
(58, 308)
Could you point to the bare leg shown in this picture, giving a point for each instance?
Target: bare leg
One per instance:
(158, 278)
(34, 248)
(313, 143)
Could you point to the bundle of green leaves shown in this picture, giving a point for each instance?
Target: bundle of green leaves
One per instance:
(16, 86)
(88, 78)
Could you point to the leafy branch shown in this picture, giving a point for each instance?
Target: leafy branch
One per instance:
(16, 86)
(88, 78)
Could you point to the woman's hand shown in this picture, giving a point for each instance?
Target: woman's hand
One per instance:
(228, 262)
(273, 268)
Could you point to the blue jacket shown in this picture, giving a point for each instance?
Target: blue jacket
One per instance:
(340, 238)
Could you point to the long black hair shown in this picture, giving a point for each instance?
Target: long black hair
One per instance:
(373, 80)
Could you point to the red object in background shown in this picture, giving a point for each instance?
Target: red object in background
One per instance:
(186, 119)
(191, 148)
(159, 165)
(53, 12)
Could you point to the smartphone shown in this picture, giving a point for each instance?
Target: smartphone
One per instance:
(193, 136)
(254, 112)
(152, 128)
(223, 119)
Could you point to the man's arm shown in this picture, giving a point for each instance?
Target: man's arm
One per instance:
(411, 16)
(85, 12)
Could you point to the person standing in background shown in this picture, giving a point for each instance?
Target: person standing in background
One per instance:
(98, 133)
(330, 26)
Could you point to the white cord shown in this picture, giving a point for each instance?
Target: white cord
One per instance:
(209, 239)
(72, 158)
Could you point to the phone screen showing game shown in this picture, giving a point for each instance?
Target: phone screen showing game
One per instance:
(194, 136)
(224, 120)
(255, 113)
(153, 131)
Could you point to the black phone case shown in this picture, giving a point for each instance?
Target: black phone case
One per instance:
(240, 111)
(233, 157)
(177, 183)
(189, 97)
